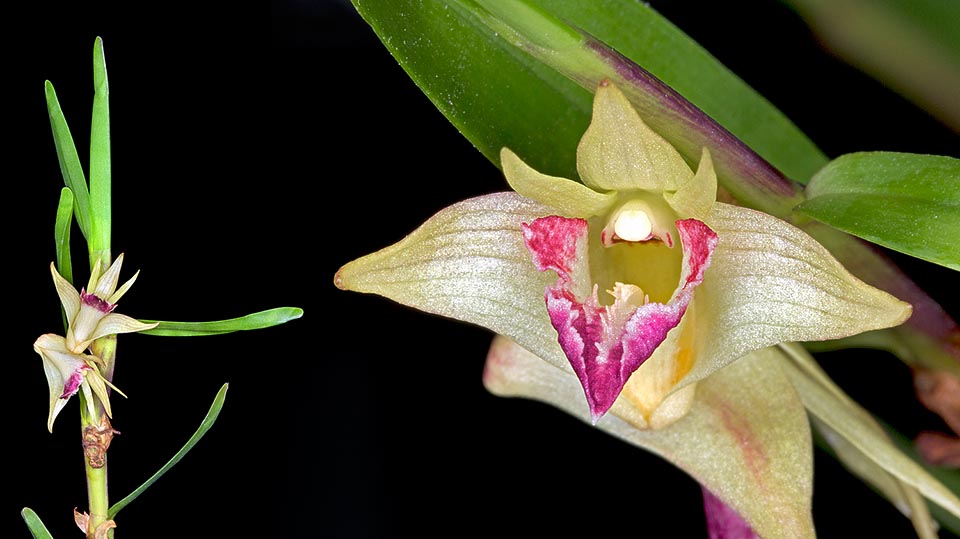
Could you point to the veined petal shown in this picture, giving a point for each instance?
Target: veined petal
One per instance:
(606, 344)
(618, 152)
(115, 297)
(746, 438)
(115, 323)
(69, 297)
(467, 262)
(770, 283)
(107, 282)
(64, 371)
(567, 197)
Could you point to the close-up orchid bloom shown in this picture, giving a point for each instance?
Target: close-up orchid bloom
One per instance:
(692, 286)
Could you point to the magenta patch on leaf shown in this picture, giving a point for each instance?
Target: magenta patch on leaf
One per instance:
(606, 344)
(723, 522)
(92, 300)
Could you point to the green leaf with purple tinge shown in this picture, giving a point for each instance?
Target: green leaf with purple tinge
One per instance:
(518, 75)
(906, 202)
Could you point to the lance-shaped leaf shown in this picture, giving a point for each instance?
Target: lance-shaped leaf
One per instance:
(746, 437)
(907, 202)
(259, 320)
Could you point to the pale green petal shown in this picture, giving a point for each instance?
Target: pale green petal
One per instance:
(695, 198)
(59, 364)
(115, 323)
(827, 403)
(618, 152)
(769, 282)
(115, 297)
(107, 282)
(567, 197)
(746, 437)
(69, 297)
(99, 387)
(468, 262)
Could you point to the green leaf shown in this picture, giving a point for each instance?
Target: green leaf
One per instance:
(260, 320)
(61, 233)
(37, 529)
(906, 202)
(69, 160)
(100, 154)
(494, 74)
(205, 425)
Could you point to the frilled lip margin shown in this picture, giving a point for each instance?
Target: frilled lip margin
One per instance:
(606, 344)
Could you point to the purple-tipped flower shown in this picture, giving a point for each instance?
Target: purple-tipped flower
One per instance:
(90, 314)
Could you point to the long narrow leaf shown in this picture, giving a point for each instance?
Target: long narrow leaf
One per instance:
(69, 160)
(61, 233)
(100, 154)
(37, 529)
(205, 425)
(260, 320)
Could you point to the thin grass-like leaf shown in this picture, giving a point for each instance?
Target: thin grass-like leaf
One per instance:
(69, 160)
(100, 154)
(260, 320)
(37, 529)
(205, 425)
(61, 234)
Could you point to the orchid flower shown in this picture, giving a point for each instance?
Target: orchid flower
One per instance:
(89, 317)
(692, 284)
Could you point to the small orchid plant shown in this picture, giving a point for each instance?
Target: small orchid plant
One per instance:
(82, 360)
(670, 287)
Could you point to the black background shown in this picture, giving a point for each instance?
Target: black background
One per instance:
(247, 168)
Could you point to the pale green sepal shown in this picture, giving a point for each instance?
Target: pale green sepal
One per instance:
(746, 437)
(618, 152)
(99, 387)
(115, 297)
(847, 419)
(205, 425)
(34, 524)
(258, 320)
(69, 297)
(468, 262)
(106, 283)
(695, 198)
(115, 323)
(569, 198)
(769, 282)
